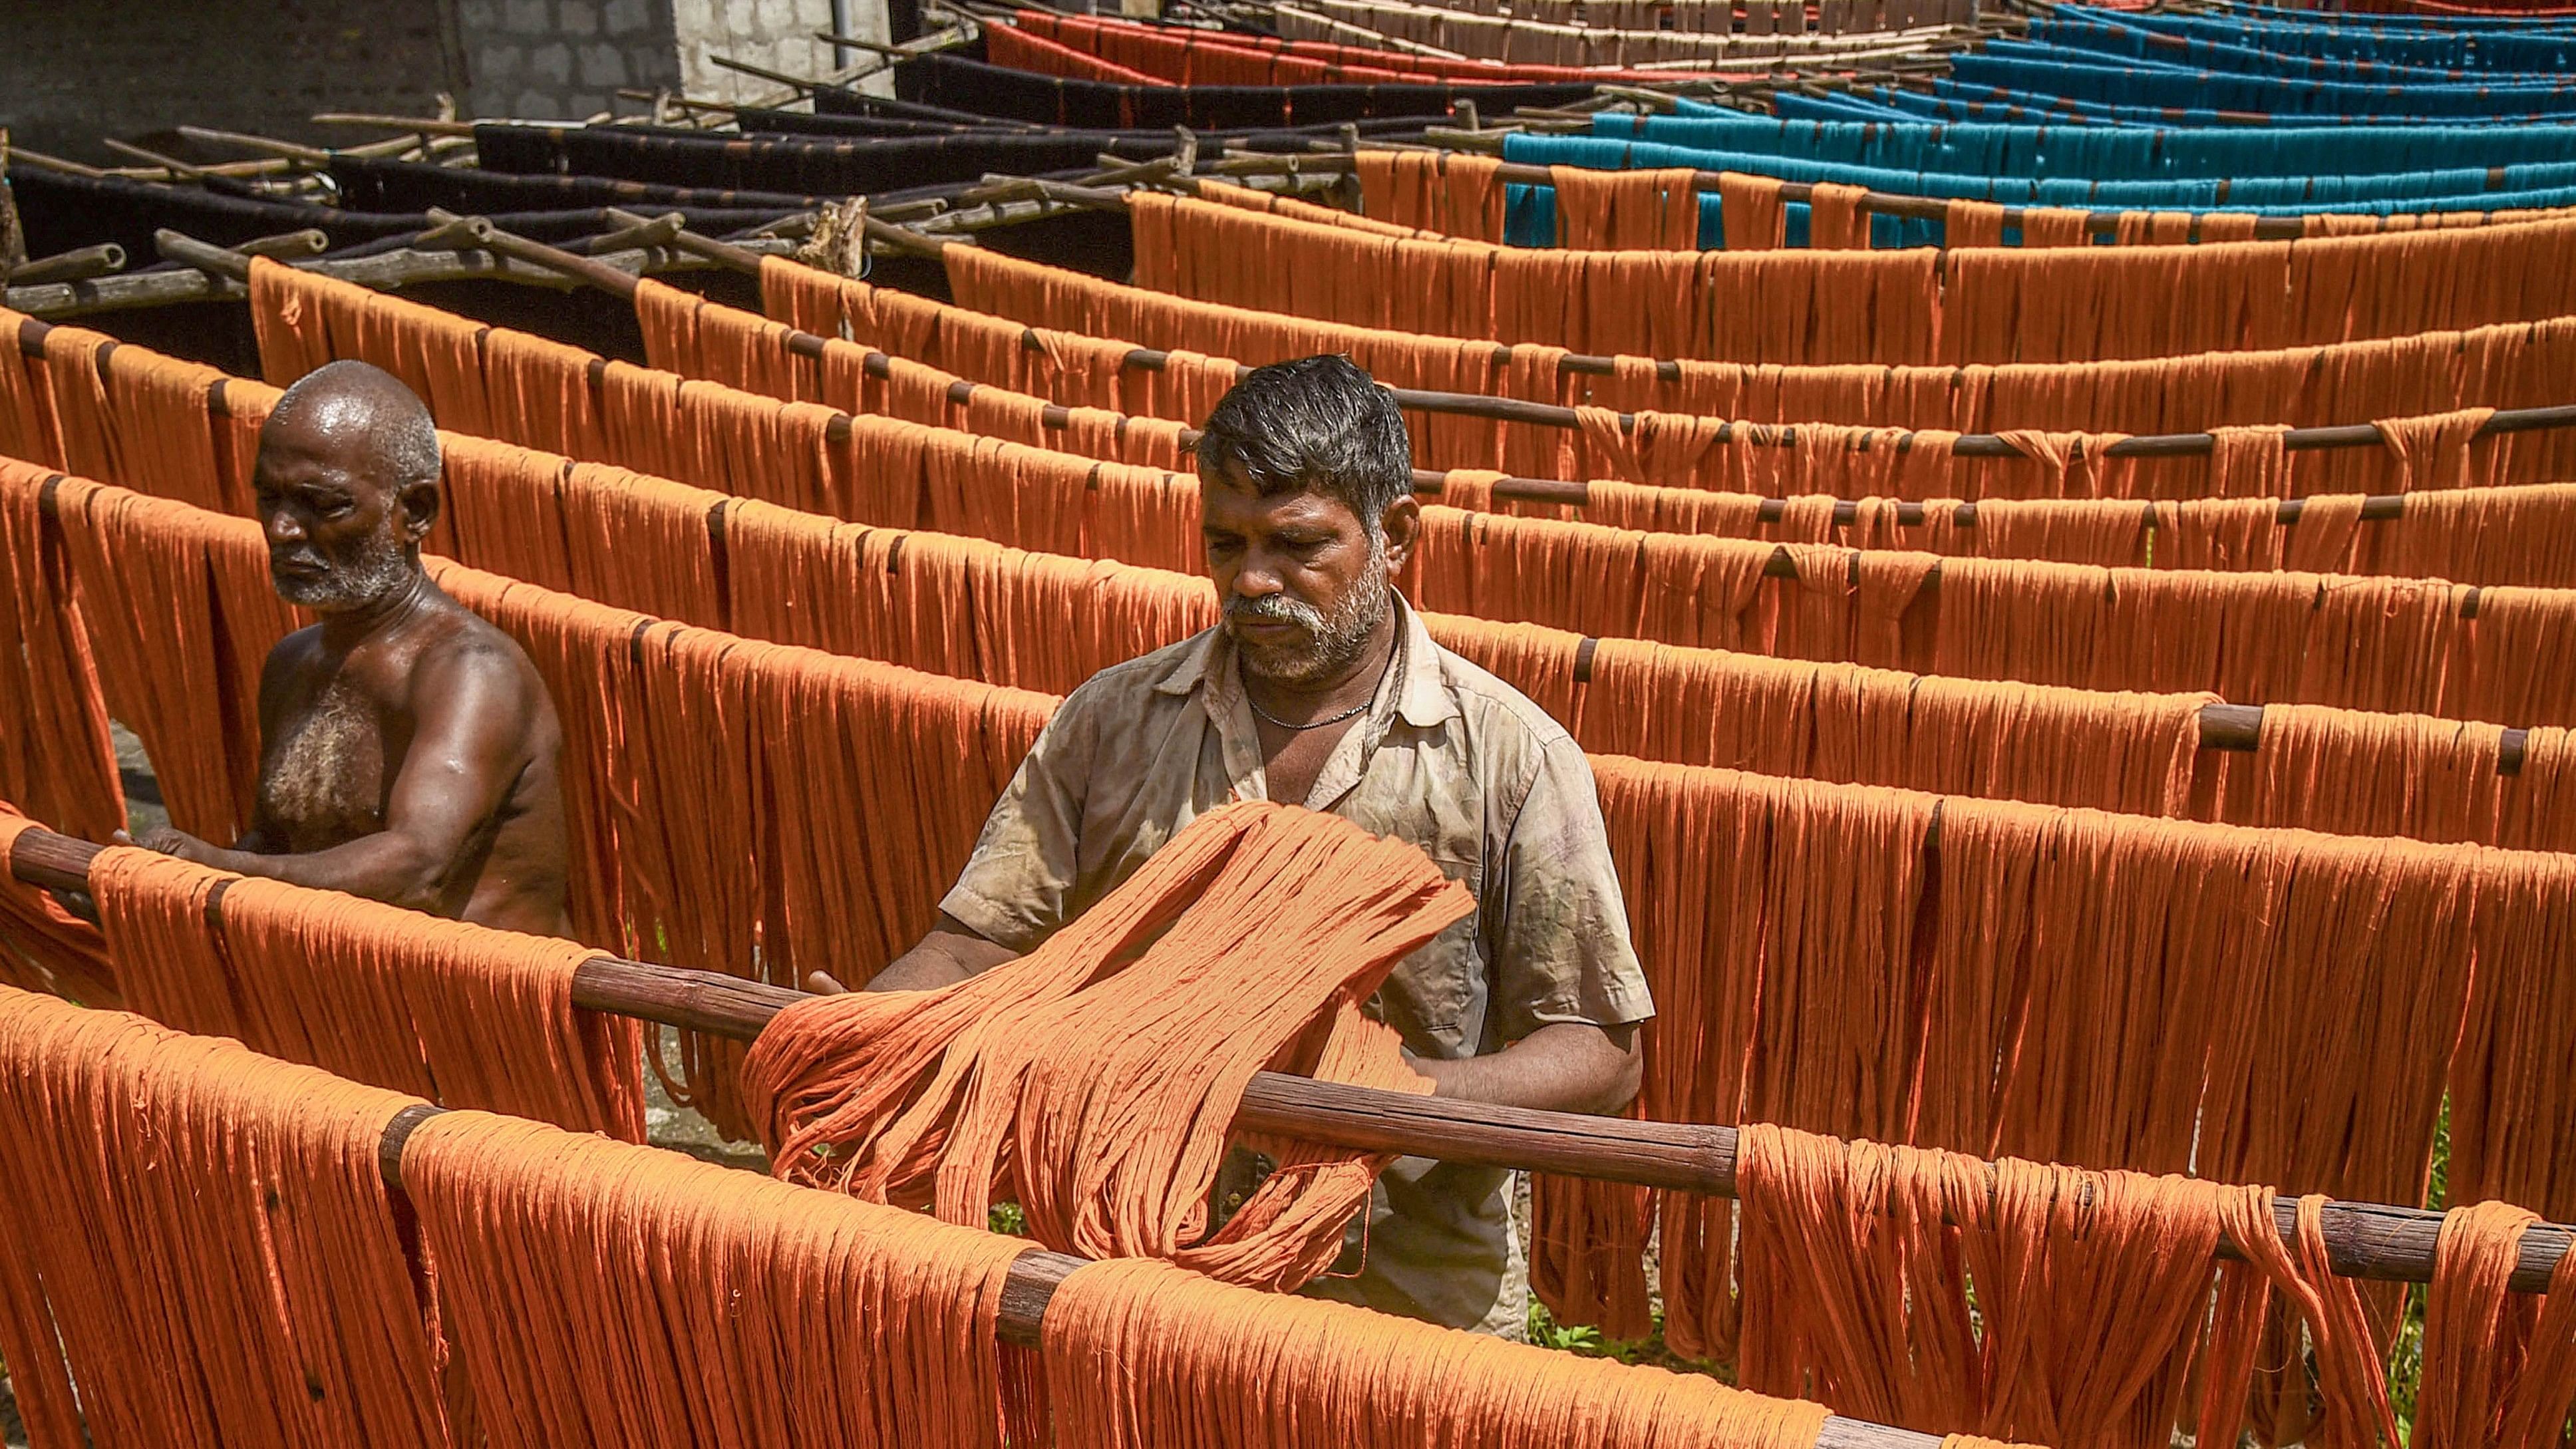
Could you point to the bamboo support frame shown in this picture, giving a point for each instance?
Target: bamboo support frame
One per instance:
(218, 271)
(2372, 1241)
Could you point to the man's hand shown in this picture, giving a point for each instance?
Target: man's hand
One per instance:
(951, 953)
(180, 843)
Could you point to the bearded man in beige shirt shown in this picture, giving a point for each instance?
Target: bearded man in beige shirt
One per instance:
(1321, 686)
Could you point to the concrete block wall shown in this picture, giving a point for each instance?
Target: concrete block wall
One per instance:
(562, 59)
(72, 71)
(773, 34)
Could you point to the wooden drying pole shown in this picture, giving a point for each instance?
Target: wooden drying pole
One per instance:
(217, 271)
(2370, 1241)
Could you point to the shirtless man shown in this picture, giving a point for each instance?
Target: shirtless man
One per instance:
(409, 751)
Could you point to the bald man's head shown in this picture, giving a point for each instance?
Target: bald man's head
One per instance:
(347, 486)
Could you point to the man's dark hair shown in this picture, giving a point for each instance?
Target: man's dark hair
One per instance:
(1314, 423)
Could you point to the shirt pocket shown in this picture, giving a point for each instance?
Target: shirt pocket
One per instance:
(1435, 998)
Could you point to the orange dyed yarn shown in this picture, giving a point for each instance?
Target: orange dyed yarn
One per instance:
(1627, 210)
(1835, 222)
(1226, 193)
(1862, 1263)
(723, 1308)
(2499, 1368)
(1755, 217)
(26, 401)
(1450, 192)
(56, 757)
(1139, 1352)
(132, 413)
(180, 614)
(1110, 1146)
(201, 1240)
(42, 946)
(1993, 304)
(1785, 923)
(689, 336)
(2503, 365)
(735, 440)
(1071, 369)
(304, 319)
(811, 742)
(1973, 224)
(454, 1012)
(970, 609)
(931, 753)
(2513, 1110)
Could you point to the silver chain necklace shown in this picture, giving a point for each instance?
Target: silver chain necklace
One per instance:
(1267, 717)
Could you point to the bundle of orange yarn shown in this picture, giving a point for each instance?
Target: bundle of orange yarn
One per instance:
(1096, 1076)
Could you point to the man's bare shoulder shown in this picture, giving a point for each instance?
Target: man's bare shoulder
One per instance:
(295, 654)
(460, 650)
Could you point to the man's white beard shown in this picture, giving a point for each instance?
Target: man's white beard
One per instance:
(351, 585)
(1333, 640)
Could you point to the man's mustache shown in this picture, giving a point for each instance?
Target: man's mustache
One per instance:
(1273, 609)
(297, 558)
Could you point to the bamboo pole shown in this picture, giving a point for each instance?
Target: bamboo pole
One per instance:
(266, 166)
(636, 233)
(290, 150)
(78, 265)
(217, 270)
(44, 162)
(286, 245)
(419, 125)
(2363, 1240)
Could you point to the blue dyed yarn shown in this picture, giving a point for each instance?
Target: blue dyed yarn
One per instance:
(2102, 153)
(2022, 65)
(2115, 39)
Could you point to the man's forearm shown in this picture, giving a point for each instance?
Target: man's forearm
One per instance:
(1565, 1067)
(946, 956)
(380, 867)
(923, 968)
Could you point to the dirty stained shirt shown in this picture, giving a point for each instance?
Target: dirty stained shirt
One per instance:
(1447, 757)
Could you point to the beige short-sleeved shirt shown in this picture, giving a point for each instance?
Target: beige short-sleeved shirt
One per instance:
(1447, 757)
